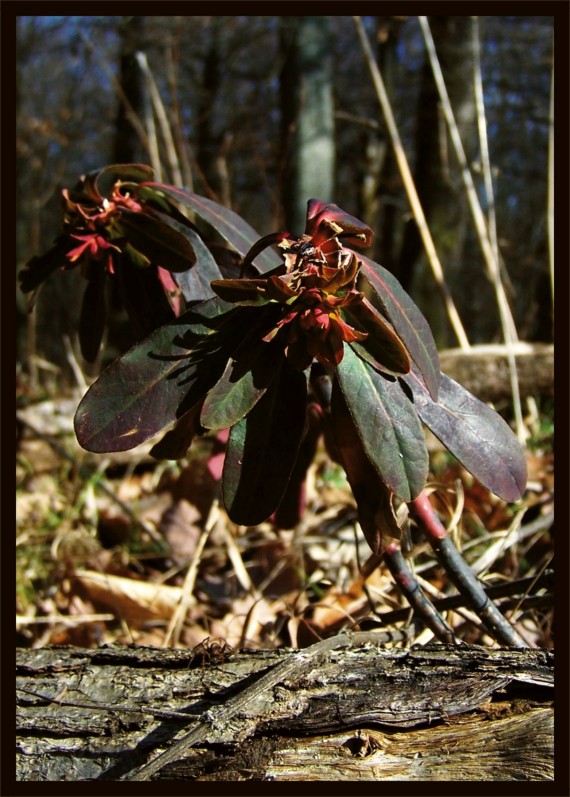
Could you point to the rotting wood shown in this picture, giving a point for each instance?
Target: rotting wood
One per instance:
(354, 713)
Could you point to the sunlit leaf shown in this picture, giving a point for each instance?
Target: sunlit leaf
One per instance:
(474, 433)
(262, 449)
(238, 390)
(406, 318)
(228, 224)
(387, 425)
(352, 230)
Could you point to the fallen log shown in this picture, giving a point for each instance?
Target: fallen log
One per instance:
(484, 369)
(334, 711)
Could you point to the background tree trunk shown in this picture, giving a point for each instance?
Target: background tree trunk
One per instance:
(432, 713)
(437, 176)
(128, 147)
(380, 202)
(306, 116)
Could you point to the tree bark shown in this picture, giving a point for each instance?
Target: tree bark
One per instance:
(351, 713)
(128, 147)
(306, 116)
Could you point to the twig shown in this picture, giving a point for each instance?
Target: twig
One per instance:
(179, 615)
(511, 590)
(410, 187)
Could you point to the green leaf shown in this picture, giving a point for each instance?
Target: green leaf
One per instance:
(157, 381)
(406, 318)
(382, 348)
(387, 425)
(164, 241)
(195, 282)
(262, 449)
(475, 434)
(240, 388)
(228, 224)
(373, 497)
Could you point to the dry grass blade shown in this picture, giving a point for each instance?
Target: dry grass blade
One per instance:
(178, 617)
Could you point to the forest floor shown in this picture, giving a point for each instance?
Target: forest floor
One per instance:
(122, 549)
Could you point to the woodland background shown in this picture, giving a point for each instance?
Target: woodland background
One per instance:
(261, 113)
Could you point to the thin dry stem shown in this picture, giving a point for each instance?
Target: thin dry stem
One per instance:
(410, 187)
(490, 256)
(162, 117)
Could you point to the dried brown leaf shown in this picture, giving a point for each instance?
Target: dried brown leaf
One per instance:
(133, 601)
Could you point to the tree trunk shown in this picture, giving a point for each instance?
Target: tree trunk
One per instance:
(212, 138)
(128, 147)
(437, 175)
(346, 713)
(380, 182)
(306, 116)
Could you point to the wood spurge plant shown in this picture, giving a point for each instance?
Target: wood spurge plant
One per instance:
(278, 339)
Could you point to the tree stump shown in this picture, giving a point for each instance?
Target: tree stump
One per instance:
(324, 713)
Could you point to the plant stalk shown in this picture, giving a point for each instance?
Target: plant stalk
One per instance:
(461, 574)
(421, 604)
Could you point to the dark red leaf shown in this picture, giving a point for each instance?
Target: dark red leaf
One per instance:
(177, 441)
(474, 433)
(242, 291)
(195, 282)
(382, 348)
(373, 497)
(40, 267)
(228, 224)
(353, 230)
(237, 391)
(105, 179)
(93, 315)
